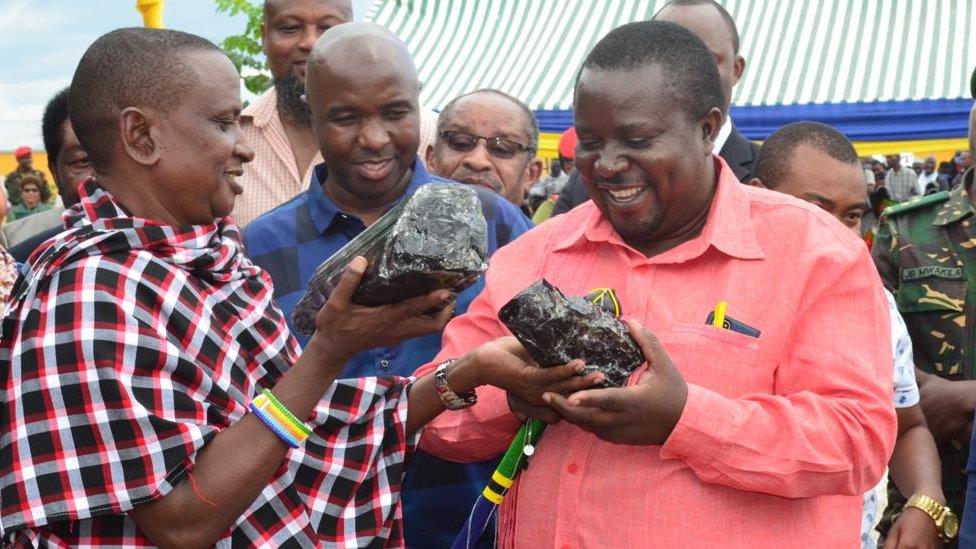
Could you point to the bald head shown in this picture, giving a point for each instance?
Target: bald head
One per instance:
(359, 50)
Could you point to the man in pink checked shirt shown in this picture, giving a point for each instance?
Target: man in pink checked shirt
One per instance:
(762, 435)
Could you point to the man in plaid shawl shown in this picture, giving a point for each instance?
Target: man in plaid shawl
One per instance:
(136, 339)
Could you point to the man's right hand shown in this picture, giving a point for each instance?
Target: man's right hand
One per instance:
(948, 407)
(345, 328)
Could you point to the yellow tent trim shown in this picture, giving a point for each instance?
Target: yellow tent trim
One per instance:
(942, 149)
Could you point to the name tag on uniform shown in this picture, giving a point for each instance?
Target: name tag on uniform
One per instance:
(931, 271)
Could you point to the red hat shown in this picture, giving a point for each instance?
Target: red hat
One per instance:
(567, 143)
(21, 152)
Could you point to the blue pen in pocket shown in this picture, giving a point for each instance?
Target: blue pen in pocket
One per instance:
(729, 323)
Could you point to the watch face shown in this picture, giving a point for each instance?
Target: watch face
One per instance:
(950, 526)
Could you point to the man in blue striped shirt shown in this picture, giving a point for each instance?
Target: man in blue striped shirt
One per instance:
(363, 91)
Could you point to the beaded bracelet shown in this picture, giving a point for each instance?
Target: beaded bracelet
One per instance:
(299, 431)
(279, 419)
(286, 413)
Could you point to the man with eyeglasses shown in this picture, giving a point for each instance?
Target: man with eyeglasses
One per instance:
(487, 138)
(365, 109)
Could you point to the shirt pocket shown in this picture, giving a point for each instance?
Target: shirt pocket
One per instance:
(724, 361)
(935, 313)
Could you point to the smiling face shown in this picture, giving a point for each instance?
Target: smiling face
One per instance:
(646, 163)
(486, 115)
(291, 28)
(203, 151)
(363, 95)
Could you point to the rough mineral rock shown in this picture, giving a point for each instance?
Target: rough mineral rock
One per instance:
(437, 238)
(555, 329)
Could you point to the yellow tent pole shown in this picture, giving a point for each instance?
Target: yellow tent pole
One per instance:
(152, 13)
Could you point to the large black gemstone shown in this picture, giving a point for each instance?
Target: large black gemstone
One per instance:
(437, 238)
(555, 329)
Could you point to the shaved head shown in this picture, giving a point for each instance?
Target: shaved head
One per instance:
(348, 49)
(134, 67)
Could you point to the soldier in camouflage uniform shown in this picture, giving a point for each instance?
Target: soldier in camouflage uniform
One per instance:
(25, 167)
(925, 251)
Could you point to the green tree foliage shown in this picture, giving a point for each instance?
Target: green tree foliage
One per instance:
(245, 49)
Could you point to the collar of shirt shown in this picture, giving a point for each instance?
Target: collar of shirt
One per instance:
(725, 229)
(959, 206)
(323, 211)
(723, 135)
(263, 109)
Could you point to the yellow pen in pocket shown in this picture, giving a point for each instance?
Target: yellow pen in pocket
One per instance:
(718, 319)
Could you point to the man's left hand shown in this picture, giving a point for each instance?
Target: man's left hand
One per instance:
(644, 413)
(913, 530)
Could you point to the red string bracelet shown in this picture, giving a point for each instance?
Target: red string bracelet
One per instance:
(196, 490)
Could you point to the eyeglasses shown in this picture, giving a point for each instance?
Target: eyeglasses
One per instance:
(499, 147)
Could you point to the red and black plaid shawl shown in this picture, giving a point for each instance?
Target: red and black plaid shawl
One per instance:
(128, 346)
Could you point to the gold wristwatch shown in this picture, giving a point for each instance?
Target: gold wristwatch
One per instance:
(945, 520)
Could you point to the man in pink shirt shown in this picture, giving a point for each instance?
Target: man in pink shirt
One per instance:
(727, 438)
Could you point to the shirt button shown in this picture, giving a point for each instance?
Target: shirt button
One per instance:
(384, 364)
(572, 468)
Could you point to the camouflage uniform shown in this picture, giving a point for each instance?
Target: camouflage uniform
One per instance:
(12, 183)
(925, 251)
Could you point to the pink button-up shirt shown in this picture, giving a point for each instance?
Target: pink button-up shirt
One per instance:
(781, 434)
(274, 176)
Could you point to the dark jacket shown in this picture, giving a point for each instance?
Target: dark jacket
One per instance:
(740, 154)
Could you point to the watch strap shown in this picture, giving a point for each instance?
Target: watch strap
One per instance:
(934, 509)
(450, 399)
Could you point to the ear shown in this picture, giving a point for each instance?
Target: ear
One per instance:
(532, 173)
(710, 125)
(264, 36)
(429, 159)
(756, 182)
(738, 68)
(138, 136)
